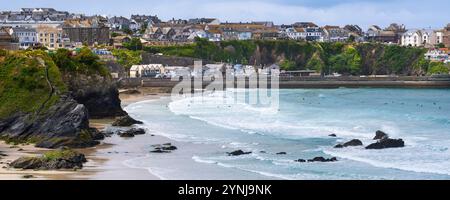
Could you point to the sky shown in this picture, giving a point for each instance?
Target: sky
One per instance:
(412, 13)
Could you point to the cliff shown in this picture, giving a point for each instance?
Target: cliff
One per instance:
(48, 99)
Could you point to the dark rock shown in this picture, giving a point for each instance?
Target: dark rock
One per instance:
(159, 151)
(238, 153)
(332, 135)
(96, 134)
(27, 176)
(98, 94)
(262, 152)
(387, 143)
(169, 148)
(137, 131)
(2, 154)
(126, 134)
(60, 159)
(281, 153)
(167, 144)
(27, 163)
(350, 143)
(126, 121)
(300, 160)
(322, 159)
(131, 91)
(64, 124)
(380, 135)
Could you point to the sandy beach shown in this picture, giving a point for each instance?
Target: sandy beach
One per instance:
(105, 161)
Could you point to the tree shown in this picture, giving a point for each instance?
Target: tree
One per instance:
(127, 31)
(135, 44)
(438, 68)
(127, 58)
(351, 39)
(440, 45)
(316, 63)
(348, 61)
(288, 65)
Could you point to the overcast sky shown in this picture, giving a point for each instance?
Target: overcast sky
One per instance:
(413, 13)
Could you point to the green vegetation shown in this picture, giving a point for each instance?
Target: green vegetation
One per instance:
(24, 87)
(135, 44)
(23, 82)
(326, 58)
(438, 68)
(58, 154)
(127, 58)
(84, 62)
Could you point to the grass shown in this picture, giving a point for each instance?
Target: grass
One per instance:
(58, 154)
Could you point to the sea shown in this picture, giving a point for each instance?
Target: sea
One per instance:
(205, 129)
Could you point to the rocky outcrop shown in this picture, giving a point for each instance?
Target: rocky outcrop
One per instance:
(387, 143)
(380, 135)
(64, 124)
(125, 121)
(97, 93)
(332, 135)
(238, 153)
(163, 148)
(351, 143)
(132, 132)
(318, 159)
(61, 159)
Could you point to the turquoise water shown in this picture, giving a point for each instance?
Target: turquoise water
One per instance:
(301, 127)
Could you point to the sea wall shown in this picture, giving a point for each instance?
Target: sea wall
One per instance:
(315, 82)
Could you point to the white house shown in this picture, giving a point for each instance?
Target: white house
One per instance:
(296, 33)
(27, 36)
(150, 70)
(422, 38)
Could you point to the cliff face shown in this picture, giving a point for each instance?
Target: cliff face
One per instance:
(98, 94)
(64, 124)
(50, 107)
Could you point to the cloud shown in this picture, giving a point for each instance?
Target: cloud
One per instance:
(363, 13)
(413, 13)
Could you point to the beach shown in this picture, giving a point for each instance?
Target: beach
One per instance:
(105, 161)
(204, 132)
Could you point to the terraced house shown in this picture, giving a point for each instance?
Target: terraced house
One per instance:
(50, 37)
(27, 37)
(88, 31)
(7, 40)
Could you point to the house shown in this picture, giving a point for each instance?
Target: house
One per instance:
(149, 70)
(313, 33)
(295, 33)
(211, 21)
(421, 38)
(119, 23)
(50, 37)
(119, 40)
(266, 34)
(334, 34)
(89, 31)
(446, 36)
(237, 34)
(27, 36)
(392, 34)
(7, 40)
(305, 25)
(376, 34)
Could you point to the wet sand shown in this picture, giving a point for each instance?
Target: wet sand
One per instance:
(105, 161)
